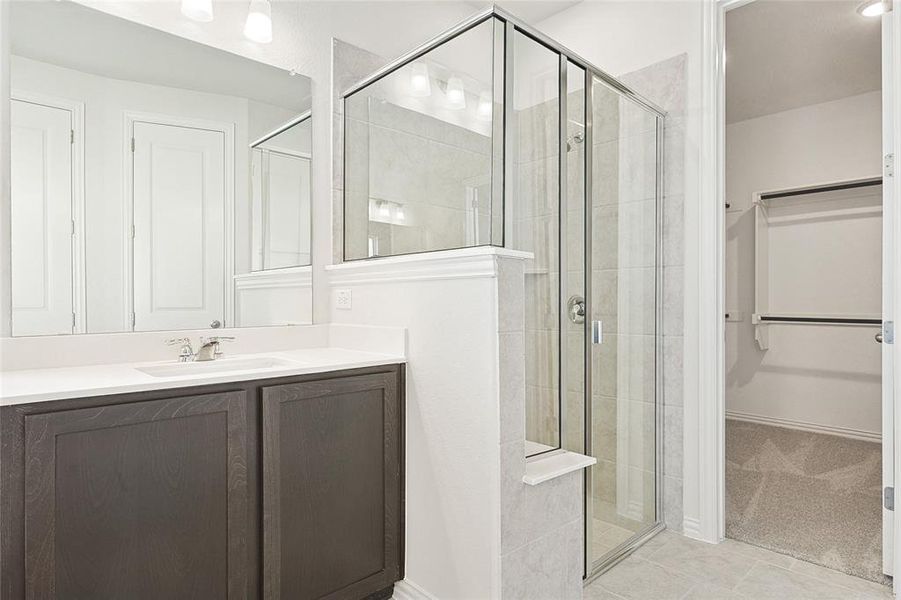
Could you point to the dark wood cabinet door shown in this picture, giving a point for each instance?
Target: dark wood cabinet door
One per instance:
(138, 500)
(332, 487)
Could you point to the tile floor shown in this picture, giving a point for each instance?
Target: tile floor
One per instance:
(671, 566)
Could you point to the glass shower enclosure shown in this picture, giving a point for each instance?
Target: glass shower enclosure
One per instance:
(494, 134)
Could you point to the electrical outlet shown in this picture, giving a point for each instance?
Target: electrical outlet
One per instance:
(343, 299)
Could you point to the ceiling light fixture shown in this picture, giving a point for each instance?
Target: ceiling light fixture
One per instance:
(874, 8)
(198, 10)
(420, 85)
(258, 26)
(456, 98)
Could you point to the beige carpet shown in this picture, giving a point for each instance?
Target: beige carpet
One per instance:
(812, 496)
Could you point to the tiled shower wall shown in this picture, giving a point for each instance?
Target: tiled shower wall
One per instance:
(664, 84)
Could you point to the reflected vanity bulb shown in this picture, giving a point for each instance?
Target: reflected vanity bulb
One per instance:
(456, 99)
(384, 211)
(399, 215)
(198, 10)
(873, 8)
(484, 109)
(420, 86)
(258, 26)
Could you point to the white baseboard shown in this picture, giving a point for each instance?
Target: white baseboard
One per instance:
(407, 590)
(848, 432)
(691, 528)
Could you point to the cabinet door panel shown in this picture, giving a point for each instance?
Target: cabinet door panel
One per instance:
(331, 487)
(140, 500)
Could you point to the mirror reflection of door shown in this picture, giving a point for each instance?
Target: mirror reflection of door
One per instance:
(179, 225)
(42, 219)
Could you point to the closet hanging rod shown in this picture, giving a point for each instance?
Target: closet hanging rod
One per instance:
(822, 320)
(835, 187)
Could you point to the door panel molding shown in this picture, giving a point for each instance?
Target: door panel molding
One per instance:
(228, 132)
(76, 109)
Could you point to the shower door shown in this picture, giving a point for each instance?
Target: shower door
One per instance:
(624, 411)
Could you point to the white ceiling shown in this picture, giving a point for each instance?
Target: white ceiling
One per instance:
(77, 37)
(784, 54)
(530, 11)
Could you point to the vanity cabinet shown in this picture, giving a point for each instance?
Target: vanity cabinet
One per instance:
(276, 488)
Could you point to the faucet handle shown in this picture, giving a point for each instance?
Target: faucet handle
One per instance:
(186, 353)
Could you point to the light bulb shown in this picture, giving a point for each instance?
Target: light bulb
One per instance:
(399, 215)
(873, 8)
(258, 26)
(384, 211)
(484, 109)
(198, 10)
(420, 86)
(456, 98)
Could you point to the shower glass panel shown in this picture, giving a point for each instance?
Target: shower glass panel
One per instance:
(495, 134)
(535, 216)
(623, 255)
(418, 151)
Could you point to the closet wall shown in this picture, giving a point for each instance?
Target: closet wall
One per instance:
(813, 376)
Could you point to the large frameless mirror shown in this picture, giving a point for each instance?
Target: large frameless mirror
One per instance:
(157, 183)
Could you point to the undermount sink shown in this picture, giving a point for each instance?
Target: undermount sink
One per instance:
(222, 365)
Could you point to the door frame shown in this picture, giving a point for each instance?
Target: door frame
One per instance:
(76, 109)
(710, 416)
(228, 132)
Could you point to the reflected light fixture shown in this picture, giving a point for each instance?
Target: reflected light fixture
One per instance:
(258, 26)
(198, 10)
(874, 8)
(484, 109)
(400, 216)
(384, 211)
(420, 85)
(456, 98)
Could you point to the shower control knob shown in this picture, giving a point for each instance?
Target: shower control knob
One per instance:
(575, 306)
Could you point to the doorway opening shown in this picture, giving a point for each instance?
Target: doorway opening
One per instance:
(808, 428)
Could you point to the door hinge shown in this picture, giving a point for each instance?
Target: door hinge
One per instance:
(133, 320)
(71, 136)
(597, 332)
(888, 498)
(132, 144)
(888, 164)
(132, 231)
(73, 227)
(73, 321)
(888, 332)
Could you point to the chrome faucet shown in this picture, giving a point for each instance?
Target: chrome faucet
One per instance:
(186, 352)
(209, 347)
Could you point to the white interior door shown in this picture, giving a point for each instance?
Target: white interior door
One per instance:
(42, 219)
(888, 267)
(179, 227)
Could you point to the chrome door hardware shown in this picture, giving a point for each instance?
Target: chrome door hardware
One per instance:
(879, 337)
(887, 333)
(575, 308)
(888, 498)
(597, 332)
(216, 324)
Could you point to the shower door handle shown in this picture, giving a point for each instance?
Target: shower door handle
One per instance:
(597, 332)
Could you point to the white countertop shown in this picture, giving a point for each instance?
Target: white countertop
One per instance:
(41, 385)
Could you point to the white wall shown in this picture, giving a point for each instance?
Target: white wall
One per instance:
(106, 101)
(811, 375)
